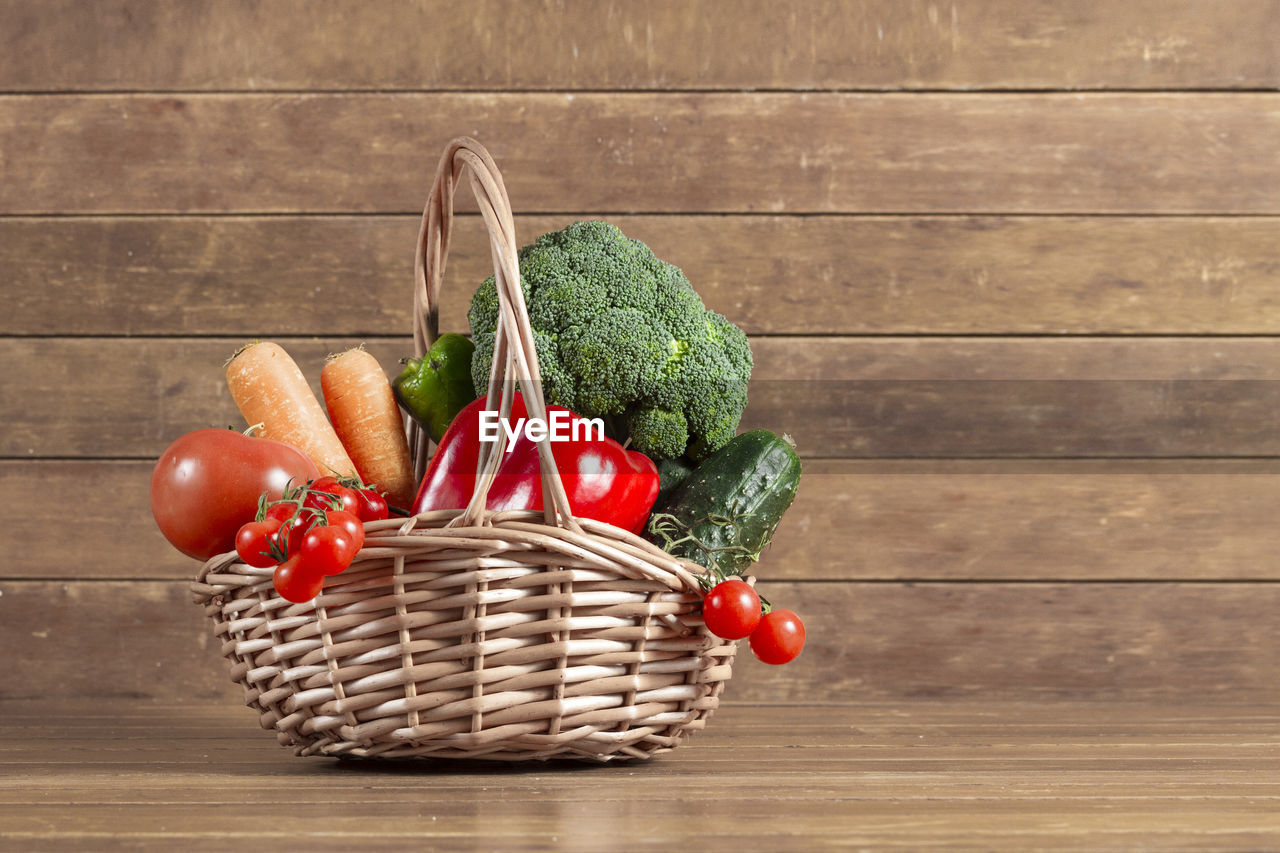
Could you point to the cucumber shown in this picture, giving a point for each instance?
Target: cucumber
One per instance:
(671, 473)
(725, 512)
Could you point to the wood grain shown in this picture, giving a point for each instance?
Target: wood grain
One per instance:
(1045, 520)
(999, 775)
(831, 275)
(866, 397)
(1063, 736)
(1004, 653)
(1041, 520)
(646, 153)
(892, 641)
(597, 44)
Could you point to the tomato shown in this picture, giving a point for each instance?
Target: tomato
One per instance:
(206, 485)
(281, 512)
(348, 522)
(778, 638)
(292, 531)
(373, 506)
(294, 524)
(350, 500)
(325, 483)
(321, 501)
(296, 582)
(731, 609)
(254, 541)
(319, 493)
(327, 550)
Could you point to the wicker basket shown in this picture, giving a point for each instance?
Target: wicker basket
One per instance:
(469, 633)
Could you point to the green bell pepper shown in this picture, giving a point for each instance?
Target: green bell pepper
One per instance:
(434, 388)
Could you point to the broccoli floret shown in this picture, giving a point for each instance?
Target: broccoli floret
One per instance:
(730, 340)
(615, 358)
(678, 306)
(660, 433)
(557, 385)
(481, 360)
(621, 334)
(483, 314)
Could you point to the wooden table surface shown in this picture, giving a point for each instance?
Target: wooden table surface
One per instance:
(1052, 774)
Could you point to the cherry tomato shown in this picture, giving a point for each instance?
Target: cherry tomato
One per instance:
(321, 500)
(325, 483)
(373, 506)
(327, 550)
(281, 512)
(206, 485)
(296, 582)
(348, 522)
(350, 500)
(778, 638)
(254, 541)
(294, 524)
(321, 489)
(731, 609)
(293, 529)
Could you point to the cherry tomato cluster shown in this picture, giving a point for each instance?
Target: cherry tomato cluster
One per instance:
(313, 531)
(732, 610)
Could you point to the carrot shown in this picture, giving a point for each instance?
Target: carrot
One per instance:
(367, 418)
(270, 390)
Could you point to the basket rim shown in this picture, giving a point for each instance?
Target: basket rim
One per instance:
(392, 532)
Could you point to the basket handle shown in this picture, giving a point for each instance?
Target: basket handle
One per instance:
(514, 356)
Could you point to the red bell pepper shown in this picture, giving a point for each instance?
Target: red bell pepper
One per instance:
(603, 480)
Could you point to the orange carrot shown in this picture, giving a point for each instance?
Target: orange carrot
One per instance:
(270, 390)
(365, 414)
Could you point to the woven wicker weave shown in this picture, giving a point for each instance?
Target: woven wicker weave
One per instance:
(469, 633)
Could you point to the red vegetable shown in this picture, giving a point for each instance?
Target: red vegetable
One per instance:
(348, 522)
(253, 542)
(731, 609)
(316, 497)
(327, 550)
(373, 507)
(281, 512)
(778, 638)
(206, 485)
(305, 524)
(296, 581)
(603, 481)
(294, 524)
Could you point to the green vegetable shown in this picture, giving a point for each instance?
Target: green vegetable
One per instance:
(671, 473)
(725, 513)
(434, 388)
(622, 336)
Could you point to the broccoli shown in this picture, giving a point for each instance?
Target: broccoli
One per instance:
(660, 433)
(623, 336)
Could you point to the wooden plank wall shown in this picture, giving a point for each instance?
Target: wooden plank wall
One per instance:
(1011, 271)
